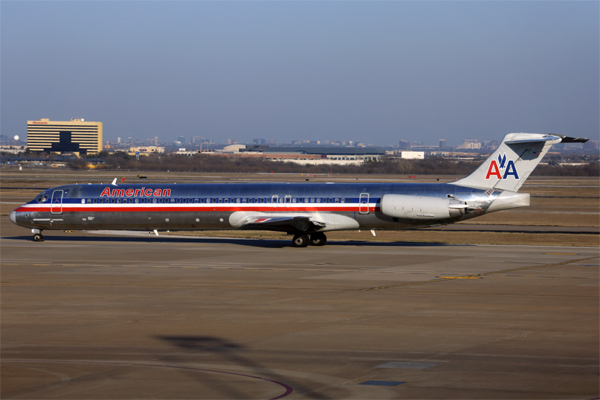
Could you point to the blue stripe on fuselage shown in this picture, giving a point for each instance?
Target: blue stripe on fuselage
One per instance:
(346, 190)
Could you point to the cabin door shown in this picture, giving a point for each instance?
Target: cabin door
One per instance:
(56, 205)
(363, 203)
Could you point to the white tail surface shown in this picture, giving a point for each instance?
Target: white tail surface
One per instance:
(512, 162)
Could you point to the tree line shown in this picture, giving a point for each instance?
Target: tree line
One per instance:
(387, 166)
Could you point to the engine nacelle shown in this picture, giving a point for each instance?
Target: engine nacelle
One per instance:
(418, 207)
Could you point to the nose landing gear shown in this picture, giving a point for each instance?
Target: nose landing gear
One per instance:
(37, 235)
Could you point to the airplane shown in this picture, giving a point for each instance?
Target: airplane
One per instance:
(305, 210)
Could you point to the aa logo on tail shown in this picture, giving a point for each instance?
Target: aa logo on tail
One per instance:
(502, 164)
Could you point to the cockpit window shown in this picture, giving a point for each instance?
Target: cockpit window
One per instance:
(42, 199)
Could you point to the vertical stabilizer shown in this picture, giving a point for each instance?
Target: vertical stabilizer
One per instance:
(512, 162)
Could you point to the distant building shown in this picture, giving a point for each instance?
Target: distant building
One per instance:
(404, 145)
(470, 144)
(145, 150)
(442, 144)
(184, 152)
(74, 136)
(590, 145)
(305, 155)
(324, 155)
(181, 139)
(259, 141)
(412, 155)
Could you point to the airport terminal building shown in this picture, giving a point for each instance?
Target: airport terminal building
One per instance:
(74, 136)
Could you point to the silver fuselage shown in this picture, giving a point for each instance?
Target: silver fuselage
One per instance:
(211, 206)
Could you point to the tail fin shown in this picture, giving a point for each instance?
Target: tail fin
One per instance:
(514, 160)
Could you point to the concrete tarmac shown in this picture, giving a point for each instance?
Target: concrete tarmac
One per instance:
(87, 316)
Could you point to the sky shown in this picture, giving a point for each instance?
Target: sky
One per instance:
(372, 72)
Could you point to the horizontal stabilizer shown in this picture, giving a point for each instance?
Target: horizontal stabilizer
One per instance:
(567, 139)
(528, 138)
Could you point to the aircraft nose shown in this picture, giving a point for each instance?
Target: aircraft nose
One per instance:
(13, 217)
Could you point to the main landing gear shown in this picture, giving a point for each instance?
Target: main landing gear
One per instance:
(37, 235)
(316, 239)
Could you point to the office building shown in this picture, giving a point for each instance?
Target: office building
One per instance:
(75, 136)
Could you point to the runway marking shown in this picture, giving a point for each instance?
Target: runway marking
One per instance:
(476, 276)
(562, 254)
(288, 389)
(460, 277)
(130, 266)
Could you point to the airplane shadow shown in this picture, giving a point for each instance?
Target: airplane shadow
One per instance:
(264, 243)
(232, 353)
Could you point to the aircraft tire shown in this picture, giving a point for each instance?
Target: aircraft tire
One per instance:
(300, 241)
(318, 239)
(38, 238)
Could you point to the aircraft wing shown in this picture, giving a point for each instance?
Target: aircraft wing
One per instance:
(296, 224)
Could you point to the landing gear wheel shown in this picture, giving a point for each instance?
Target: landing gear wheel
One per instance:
(318, 239)
(38, 237)
(300, 241)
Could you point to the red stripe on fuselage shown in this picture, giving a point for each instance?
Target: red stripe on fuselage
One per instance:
(170, 208)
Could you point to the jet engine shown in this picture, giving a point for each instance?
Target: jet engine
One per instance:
(421, 207)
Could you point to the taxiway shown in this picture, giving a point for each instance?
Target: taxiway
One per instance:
(87, 316)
